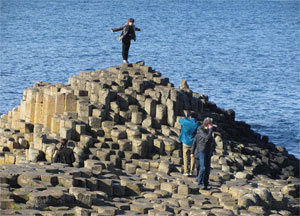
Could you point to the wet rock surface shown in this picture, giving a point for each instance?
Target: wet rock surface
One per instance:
(122, 124)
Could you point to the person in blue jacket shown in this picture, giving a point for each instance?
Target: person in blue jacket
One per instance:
(187, 134)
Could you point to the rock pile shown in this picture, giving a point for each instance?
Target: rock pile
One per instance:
(122, 124)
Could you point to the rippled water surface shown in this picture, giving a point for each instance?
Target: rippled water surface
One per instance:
(243, 54)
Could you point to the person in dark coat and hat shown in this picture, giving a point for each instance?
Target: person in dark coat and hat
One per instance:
(127, 34)
(202, 148)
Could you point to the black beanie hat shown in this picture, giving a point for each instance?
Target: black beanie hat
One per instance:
(130, 20)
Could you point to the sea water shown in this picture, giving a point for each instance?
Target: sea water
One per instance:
(243, 54)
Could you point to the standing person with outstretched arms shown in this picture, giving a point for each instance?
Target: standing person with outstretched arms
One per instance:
(188, 131)
(203, 146)
(128, 34)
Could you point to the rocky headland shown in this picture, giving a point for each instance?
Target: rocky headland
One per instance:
(122, 123)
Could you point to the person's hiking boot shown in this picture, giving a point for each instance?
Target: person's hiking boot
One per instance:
(204, 188)
(190, 173)
(185, 174)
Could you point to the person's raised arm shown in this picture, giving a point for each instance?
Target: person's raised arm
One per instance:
(137, 29)
(181, 121)
(204, 135)
(116, 29)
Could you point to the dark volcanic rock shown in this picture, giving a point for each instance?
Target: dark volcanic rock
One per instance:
(123, 126)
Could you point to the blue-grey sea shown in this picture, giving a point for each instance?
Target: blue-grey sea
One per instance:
(244, 54)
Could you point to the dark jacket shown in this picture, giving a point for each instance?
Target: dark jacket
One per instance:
(203, 141)
(64, 155)
(125, 29)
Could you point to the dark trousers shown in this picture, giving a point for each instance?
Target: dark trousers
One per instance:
(204, 168)
(125, 48)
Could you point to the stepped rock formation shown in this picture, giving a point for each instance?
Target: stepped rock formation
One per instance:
(122, 123)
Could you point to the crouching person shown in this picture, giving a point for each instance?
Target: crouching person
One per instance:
(64, 154)
(203, 147)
